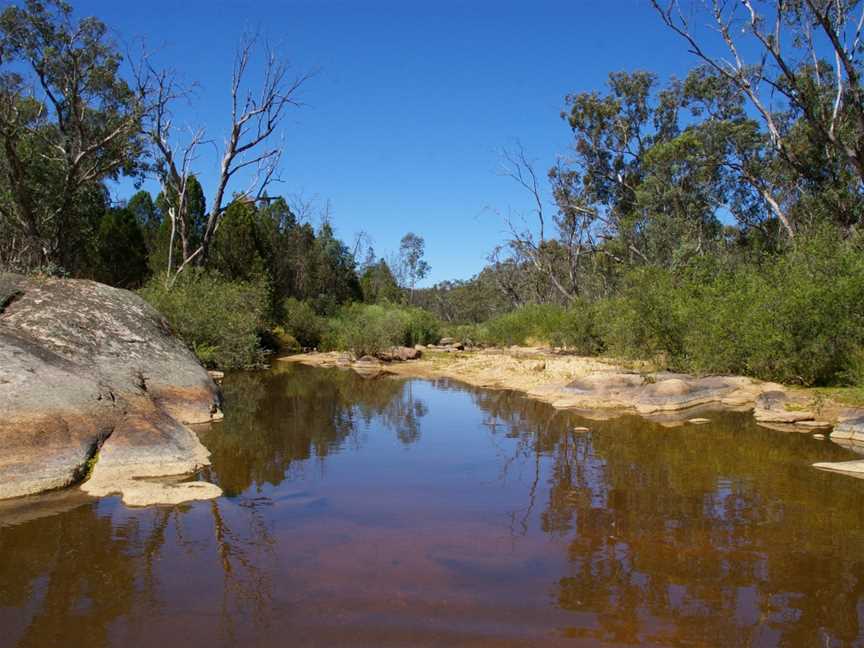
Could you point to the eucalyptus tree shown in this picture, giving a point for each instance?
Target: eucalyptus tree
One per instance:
(413, 267)
(799, 65)
(68, 122)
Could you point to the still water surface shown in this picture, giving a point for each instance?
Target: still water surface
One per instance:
(413, 513)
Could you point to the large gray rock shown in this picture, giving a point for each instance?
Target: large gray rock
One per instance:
(86, 368)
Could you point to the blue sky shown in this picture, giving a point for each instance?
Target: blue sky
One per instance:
(412, 101)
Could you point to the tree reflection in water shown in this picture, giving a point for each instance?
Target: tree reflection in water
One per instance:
(673, 536)
(713, 535)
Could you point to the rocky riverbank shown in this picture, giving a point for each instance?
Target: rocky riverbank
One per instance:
(95, 388)
(602, 389)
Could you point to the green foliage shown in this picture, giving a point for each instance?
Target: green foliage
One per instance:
(368, 329)
(533, 323)
(301, 321)
(284, 341)
(422, 327)
(154, 217)
(218, 319)
(578, 330)
(269, 242)
(643, 320)
(474, 300)
(413, 267)
(797, 318)
(378, 285)
(121, 253)
(238, 251)
(573, 328)
(61, 143)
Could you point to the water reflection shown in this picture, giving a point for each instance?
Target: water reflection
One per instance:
(391, 512)
(272, 425)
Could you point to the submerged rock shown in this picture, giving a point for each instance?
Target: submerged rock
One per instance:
(815, 425)
(87, 369)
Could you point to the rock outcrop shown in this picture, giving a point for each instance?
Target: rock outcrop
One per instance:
(655, 394)
(94, 385)
(776, 407)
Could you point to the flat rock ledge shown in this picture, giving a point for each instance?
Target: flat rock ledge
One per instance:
(94, 387)
(659, 393)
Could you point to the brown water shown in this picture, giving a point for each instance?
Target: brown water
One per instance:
(391, 512)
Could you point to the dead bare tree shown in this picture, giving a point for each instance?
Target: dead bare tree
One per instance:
(539, 252)
(250, 144)
(172, 159)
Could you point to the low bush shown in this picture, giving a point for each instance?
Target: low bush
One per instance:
(367, 329)
(796, 318)
(422, 327)
(644, 320)
(218, 319)
(301, 321)
(574, 328)
(578, 330)
(470, 334)
(532, 323)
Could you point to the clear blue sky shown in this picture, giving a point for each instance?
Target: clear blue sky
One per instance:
(413, 100)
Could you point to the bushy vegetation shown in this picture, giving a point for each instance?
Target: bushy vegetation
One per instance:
(301, 321)
(218, 319)
(796, 318)
(367, 329)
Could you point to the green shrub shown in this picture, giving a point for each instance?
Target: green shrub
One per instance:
(216, 318)
(805, 320)
(278, 339)
(577, 330)
(470, 334)
(422, 327)
(645, 320)
(574, 328)
(795, 318)
(532, 323)
(367, 329)
(302, 322)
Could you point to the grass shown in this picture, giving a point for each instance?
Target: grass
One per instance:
(852, 396)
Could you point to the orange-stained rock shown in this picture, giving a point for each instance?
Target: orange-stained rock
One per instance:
(86, 368)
